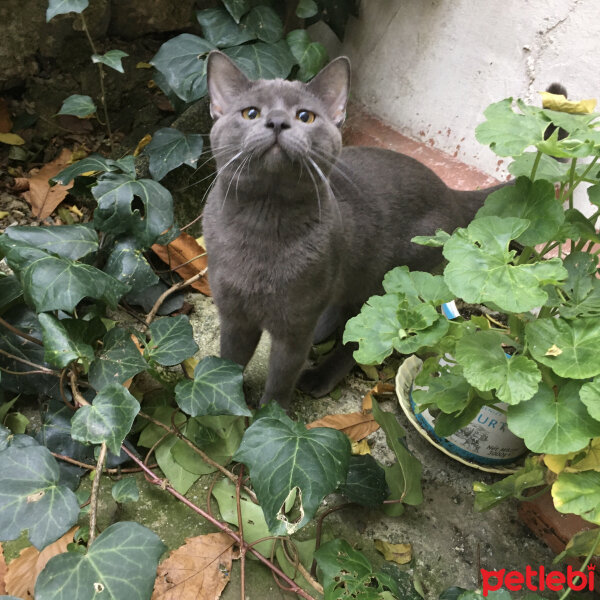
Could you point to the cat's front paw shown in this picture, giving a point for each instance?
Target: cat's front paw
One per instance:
(315, 383)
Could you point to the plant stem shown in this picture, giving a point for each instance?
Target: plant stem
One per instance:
(538, 157)
(586, 562)
(83, 465)
(20, 333)
(294, 587)
(102, 89)
(525, 255)
(571, 181)
(94, 495)
(30, 364)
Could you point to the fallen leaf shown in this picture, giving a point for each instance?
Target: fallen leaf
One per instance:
(367, 402)
(23, 571)
(3, 214)
(560, 103)
(355, 425)
(187, 258)
(143, 65)
(554, 350)
(361, 447)
(189, 366)
(2, 571)
(142, 144)
(75, 210)
(5, 120)
(399, 553)
(43, 198)
(379, 388)
(21, 184)
(75, 124)
(12, 139)
(199, 570)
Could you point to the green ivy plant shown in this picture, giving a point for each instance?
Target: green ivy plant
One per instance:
(531, 256)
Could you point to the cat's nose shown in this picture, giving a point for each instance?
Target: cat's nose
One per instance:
(278, 120)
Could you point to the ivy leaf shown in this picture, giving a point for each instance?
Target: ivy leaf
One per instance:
(288, 463)
(52, 283)
(78, 106)
(527, 200)
(215, 390)
(221, 30)
(306, 9)
(434, 241)
(117, 212)
(486, 366)
(125, 490)
(407, 484)
(180, 61)
(108, 419)
(553, 425)
(508, 133)
(480, 269)
(111, 59)
(170, 148)
(265, 23)
(365, 483)
(118, 361)
(578, 493)
(171, 342)
(263, 61)
(574, 345)
(590, 396)
(121, 562)
(31, 497)
(59, 348)
(10, 291)
(237, 8)
(94, 163)
(427, 287)
(67, 241)
(62, 7)
(311, 56)
(127, 264)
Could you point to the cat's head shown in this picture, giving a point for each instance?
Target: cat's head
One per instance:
(282, 125)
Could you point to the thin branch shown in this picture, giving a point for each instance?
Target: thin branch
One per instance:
(92, 467)
(75, 391)
(243, 549)
(94, 495)
(30, 364)
(20, 333)
(294, 587)
(170, 291)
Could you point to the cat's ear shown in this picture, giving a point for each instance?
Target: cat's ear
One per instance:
(332, 86)
(225, 82)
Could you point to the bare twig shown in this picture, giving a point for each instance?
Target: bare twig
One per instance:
(20, 333)
(313, 569)
(44, 370)
(243, 549)
(92, 467)
(171, 290)
(75, 391)
(94, 495)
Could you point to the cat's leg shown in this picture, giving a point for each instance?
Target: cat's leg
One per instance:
(329, 322)
(239, 338)
(288, 355)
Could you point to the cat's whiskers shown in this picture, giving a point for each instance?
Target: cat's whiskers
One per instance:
(246, 161)
(327, 185)
(315, 184)
(334, 162)
(238, 168)
(216, 154)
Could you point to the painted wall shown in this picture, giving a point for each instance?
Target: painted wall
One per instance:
(430, 67)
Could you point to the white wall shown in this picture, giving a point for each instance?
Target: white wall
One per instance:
(430, 67)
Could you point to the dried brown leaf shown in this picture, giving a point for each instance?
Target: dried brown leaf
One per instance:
(355, 425)
(5, 120)
(24, 570)
(43, 198)
(186, 257)
(399, 553)
(2, 571)
(199, 570)
(379, 388)
(21, 184)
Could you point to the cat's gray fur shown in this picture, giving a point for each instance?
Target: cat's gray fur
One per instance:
(299, 231)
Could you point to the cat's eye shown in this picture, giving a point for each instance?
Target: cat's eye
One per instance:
(251, 113)
(306, 116)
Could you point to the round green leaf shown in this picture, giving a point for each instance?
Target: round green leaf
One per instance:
(578, 493)
(59, 348)
(288, 461)
(306, 9)
(220, 29)
(171, 342)
(62, 7)
(527, 200)
(125, 490)
(486, 366)
(263, 61)
(127, 264)
(427, 287)
(120, 563)
(569, 348)
(108, 419)
(30, 494)
(67, 241)
(449, 392)
(118, 361)
(170, 148)
(116, 212)
(215, 390)
(365, 483)
(78, 106)
(590, 396)
(111, 59)
(180, 61)
(311, 56)
(480, 266)
(265, 23)
(548, 168)
(553, 425)
(580, 295)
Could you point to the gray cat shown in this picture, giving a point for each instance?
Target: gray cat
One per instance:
(299, 231)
